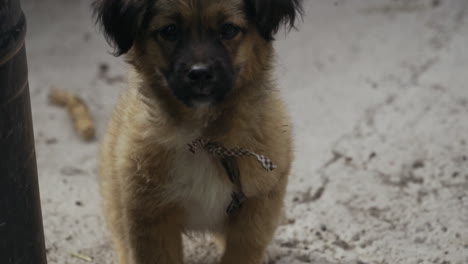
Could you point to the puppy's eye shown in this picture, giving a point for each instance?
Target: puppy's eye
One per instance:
(170, 33)
(229, 31)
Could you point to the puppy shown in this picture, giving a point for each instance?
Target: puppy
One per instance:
(200, 69)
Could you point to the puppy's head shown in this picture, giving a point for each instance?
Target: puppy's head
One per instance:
(202, 48)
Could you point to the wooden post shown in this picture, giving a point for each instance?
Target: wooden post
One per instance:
(21, 232)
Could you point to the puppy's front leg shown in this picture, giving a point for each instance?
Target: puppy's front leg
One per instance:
(250, 231)
(154, 240)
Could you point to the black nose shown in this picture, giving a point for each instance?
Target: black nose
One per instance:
(200, 73)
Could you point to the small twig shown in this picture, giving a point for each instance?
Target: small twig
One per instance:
(78, 110)
(82, 257)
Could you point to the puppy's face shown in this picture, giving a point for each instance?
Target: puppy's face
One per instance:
(195, 45)
(202, 48)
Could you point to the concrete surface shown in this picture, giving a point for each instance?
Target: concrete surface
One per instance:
(378, 93)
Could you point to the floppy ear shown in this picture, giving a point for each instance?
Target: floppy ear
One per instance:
(121, 21)
(269, 15)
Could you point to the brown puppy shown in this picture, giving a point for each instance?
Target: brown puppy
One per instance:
(200, 69)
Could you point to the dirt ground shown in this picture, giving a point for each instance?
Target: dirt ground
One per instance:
(379, 97)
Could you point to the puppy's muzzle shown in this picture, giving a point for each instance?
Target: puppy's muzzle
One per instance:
(201, 79)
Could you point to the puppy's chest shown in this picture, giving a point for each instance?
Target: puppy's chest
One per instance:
(202, 188)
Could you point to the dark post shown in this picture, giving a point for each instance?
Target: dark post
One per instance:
(21, 233)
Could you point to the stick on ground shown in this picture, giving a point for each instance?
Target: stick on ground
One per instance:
(79, 111)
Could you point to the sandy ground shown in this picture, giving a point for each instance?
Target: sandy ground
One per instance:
(378, 93)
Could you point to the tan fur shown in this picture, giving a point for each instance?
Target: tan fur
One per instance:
(154, 189)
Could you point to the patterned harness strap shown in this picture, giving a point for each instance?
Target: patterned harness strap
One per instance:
(218, 150)
(228, 160)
